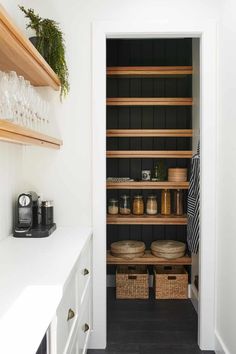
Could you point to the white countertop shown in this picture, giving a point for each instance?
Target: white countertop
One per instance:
(33, 273)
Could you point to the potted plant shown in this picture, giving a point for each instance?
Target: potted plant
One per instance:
(50, 44)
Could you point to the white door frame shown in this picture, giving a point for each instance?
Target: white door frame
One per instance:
(207, 32)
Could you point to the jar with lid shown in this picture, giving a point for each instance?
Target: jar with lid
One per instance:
(165, 202)
(113, 206)
(151, 207)
(138, 205)
(178, 202)
(125, 207)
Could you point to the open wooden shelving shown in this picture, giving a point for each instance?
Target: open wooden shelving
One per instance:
(162, 133)
(139, 154)
(149, 71)
(146, 219)
(148, 259)
(149, 101)
(17, 134)
(18, 54)
(147, 185)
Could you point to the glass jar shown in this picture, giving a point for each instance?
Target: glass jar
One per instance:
(138, 205)
(151, 207)
(178, 202)
(165, 202)
(113, 206)
(125, 207)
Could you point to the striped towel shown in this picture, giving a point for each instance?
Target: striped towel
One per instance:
(193, 207)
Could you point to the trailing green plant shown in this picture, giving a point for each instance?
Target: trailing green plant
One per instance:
(50, 44)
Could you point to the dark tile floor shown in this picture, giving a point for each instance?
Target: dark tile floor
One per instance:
(150, 327)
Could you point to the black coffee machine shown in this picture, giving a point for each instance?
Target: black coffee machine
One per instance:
(33, 220)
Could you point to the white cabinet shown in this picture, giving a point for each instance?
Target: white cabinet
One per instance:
(70, 330)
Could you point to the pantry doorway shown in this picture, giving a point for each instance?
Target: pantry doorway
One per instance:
(206, 34)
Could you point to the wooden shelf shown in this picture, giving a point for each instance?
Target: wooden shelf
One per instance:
(18, 54)
(149, 71)
(149, 101)
(17, 134)
(148, 185)
(131, 133)
(149, 259)
(149, 154)
(146, 220)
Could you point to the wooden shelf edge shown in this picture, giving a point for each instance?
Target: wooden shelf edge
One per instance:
(146, 220)
(147, 71)
(10, 33)
(149, 154)
(149, 133)
(149, 101)
(148, 259)
(148, 185)
(14, 133)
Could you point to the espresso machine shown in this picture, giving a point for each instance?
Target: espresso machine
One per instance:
(32, 219)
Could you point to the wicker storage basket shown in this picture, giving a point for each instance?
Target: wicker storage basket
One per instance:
(128, 249)
(132, 282)
(170, 282)
(177, 174)
(168, 249)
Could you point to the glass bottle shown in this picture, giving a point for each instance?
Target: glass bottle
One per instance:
(151, 207)
(125, 207)
(165, 202)
(113, 206)
(178, 202)
(138, 205)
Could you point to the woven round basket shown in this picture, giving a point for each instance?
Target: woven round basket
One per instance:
(177, 174)
(128, 249)
(168, 249)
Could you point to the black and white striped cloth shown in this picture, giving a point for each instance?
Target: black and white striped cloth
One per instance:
(193, 207)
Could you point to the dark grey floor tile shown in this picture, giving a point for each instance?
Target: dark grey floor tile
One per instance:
(150, 327)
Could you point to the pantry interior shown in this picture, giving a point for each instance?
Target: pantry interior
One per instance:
(152, 117)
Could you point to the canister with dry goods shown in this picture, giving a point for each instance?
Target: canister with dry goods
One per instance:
(178, 202)
(165, 202)
(125, 207)
(151, 206)
(138, 205)
(113, 206)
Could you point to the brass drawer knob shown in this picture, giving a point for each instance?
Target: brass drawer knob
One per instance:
(86, 327)
(86, 271)
(70, 315)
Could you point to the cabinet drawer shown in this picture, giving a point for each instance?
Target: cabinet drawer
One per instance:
(83, 273)
(79, 339)
(84, 328)
(66, 316)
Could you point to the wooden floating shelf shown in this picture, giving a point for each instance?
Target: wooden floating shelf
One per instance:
(18, 54)
(131, 133)
(17, 134)
(148, 185)
(149, 154)
(148, 259)
(149, 71)
(149, 101)
(146, 220)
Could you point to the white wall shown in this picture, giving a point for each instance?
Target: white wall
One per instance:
(226, 245)
(10, 161)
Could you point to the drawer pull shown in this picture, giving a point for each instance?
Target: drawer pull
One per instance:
(85, 327)
(71, 315)
(86, 271)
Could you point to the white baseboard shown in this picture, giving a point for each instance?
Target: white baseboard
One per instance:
(220, 347)
(111, 283)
